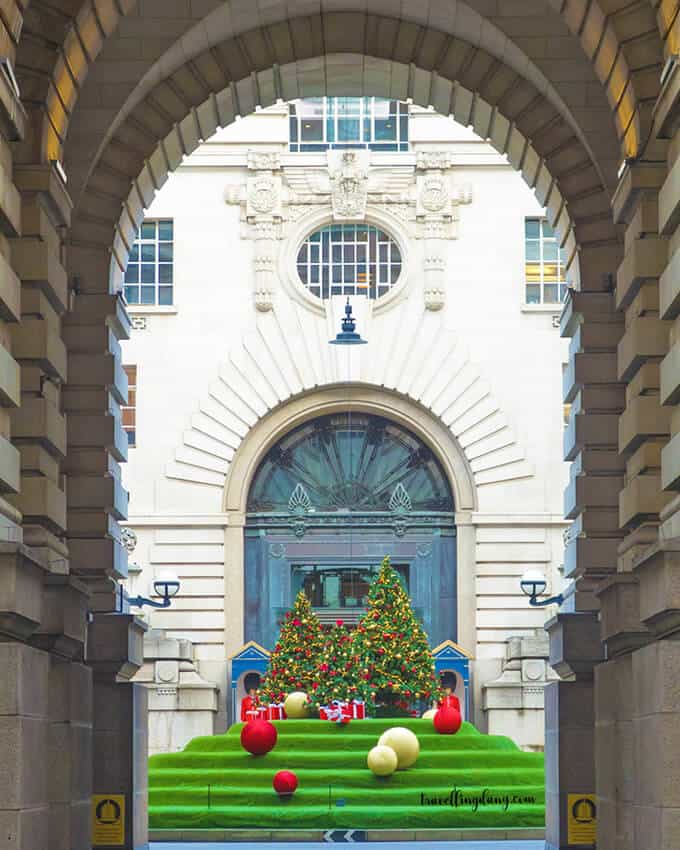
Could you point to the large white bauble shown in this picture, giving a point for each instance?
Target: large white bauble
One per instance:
(382, 761)
(429, 714)
(404, 743)
(295, 705)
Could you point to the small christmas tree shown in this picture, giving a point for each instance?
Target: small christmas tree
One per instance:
(336, 677)
(293, 663)
(395, 664)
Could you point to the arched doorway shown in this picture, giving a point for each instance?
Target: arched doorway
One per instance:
(328, 501)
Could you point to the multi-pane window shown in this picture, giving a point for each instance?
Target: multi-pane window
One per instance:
(148, 277)
(319, 123)
(129, 410)
(544, 260)
(349, 259)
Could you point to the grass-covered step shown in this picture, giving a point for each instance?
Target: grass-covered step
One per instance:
(467, 780)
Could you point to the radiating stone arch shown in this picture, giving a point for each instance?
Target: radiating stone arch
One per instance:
(358, 398)
(270, 368)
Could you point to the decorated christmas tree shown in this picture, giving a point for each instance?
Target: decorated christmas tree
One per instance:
(294, 661)
(394, 660)
(336, 677)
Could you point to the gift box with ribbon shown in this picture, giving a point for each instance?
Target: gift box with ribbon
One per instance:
(358, 709)
(275, 711)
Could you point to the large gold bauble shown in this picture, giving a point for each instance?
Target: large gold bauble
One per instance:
(404, 743)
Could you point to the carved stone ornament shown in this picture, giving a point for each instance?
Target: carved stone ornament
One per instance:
(434, 195)
(264, 160)
(129, 539)
(435, 297)
(349, 183)
(433, 160)
(263, 195)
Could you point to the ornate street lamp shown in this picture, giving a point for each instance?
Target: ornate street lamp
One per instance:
(348, 335)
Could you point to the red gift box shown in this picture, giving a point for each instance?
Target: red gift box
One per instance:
(275, 711)
(358, 709)
(337, 712)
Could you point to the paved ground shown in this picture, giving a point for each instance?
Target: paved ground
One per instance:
(382, 845)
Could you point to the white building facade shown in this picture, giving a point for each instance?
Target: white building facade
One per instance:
(264, 460)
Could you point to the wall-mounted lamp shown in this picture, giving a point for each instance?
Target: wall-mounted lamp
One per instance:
(533, 584)
(165, 585)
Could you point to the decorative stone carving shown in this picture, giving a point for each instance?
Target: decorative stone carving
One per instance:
(261, 202)
(431, 160)
(437, 216)
(264, 196)
(264, 160)
(349, 183)
(434, 195)
(129, 539)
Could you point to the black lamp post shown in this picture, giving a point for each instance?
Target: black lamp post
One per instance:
(348, 335)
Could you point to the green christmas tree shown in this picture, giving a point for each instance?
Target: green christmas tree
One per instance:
(336, 676)
(293, 663)
(394, 660)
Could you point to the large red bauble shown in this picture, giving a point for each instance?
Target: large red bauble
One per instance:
(285, 782)
(447, 721)
(258, 737)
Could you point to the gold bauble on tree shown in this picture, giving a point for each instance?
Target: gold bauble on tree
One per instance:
(296, 705)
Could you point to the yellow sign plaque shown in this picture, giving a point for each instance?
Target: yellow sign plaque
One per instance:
(108, 820)
(582, 819)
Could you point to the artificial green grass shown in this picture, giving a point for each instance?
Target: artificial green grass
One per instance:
(214, 783)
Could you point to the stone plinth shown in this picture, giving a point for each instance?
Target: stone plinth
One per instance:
(515, 699)
(182, 704)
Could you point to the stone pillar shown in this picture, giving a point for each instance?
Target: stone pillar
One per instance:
(596, 395)
(575, 649)
(24, 806)
(12, 130)
(39, 426)
(637, 600)
(120, 745)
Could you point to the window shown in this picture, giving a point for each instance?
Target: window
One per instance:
(148, 277)
(349, 259)
(338, 586)
(543, 264)
(319, 123)
(129, 410)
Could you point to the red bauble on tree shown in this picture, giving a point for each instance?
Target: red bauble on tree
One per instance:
(447, 721)
(258, 737)
(285, 782)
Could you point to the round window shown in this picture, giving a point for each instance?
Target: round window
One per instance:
(349, 259)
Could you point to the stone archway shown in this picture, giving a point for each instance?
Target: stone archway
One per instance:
(358, 398)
